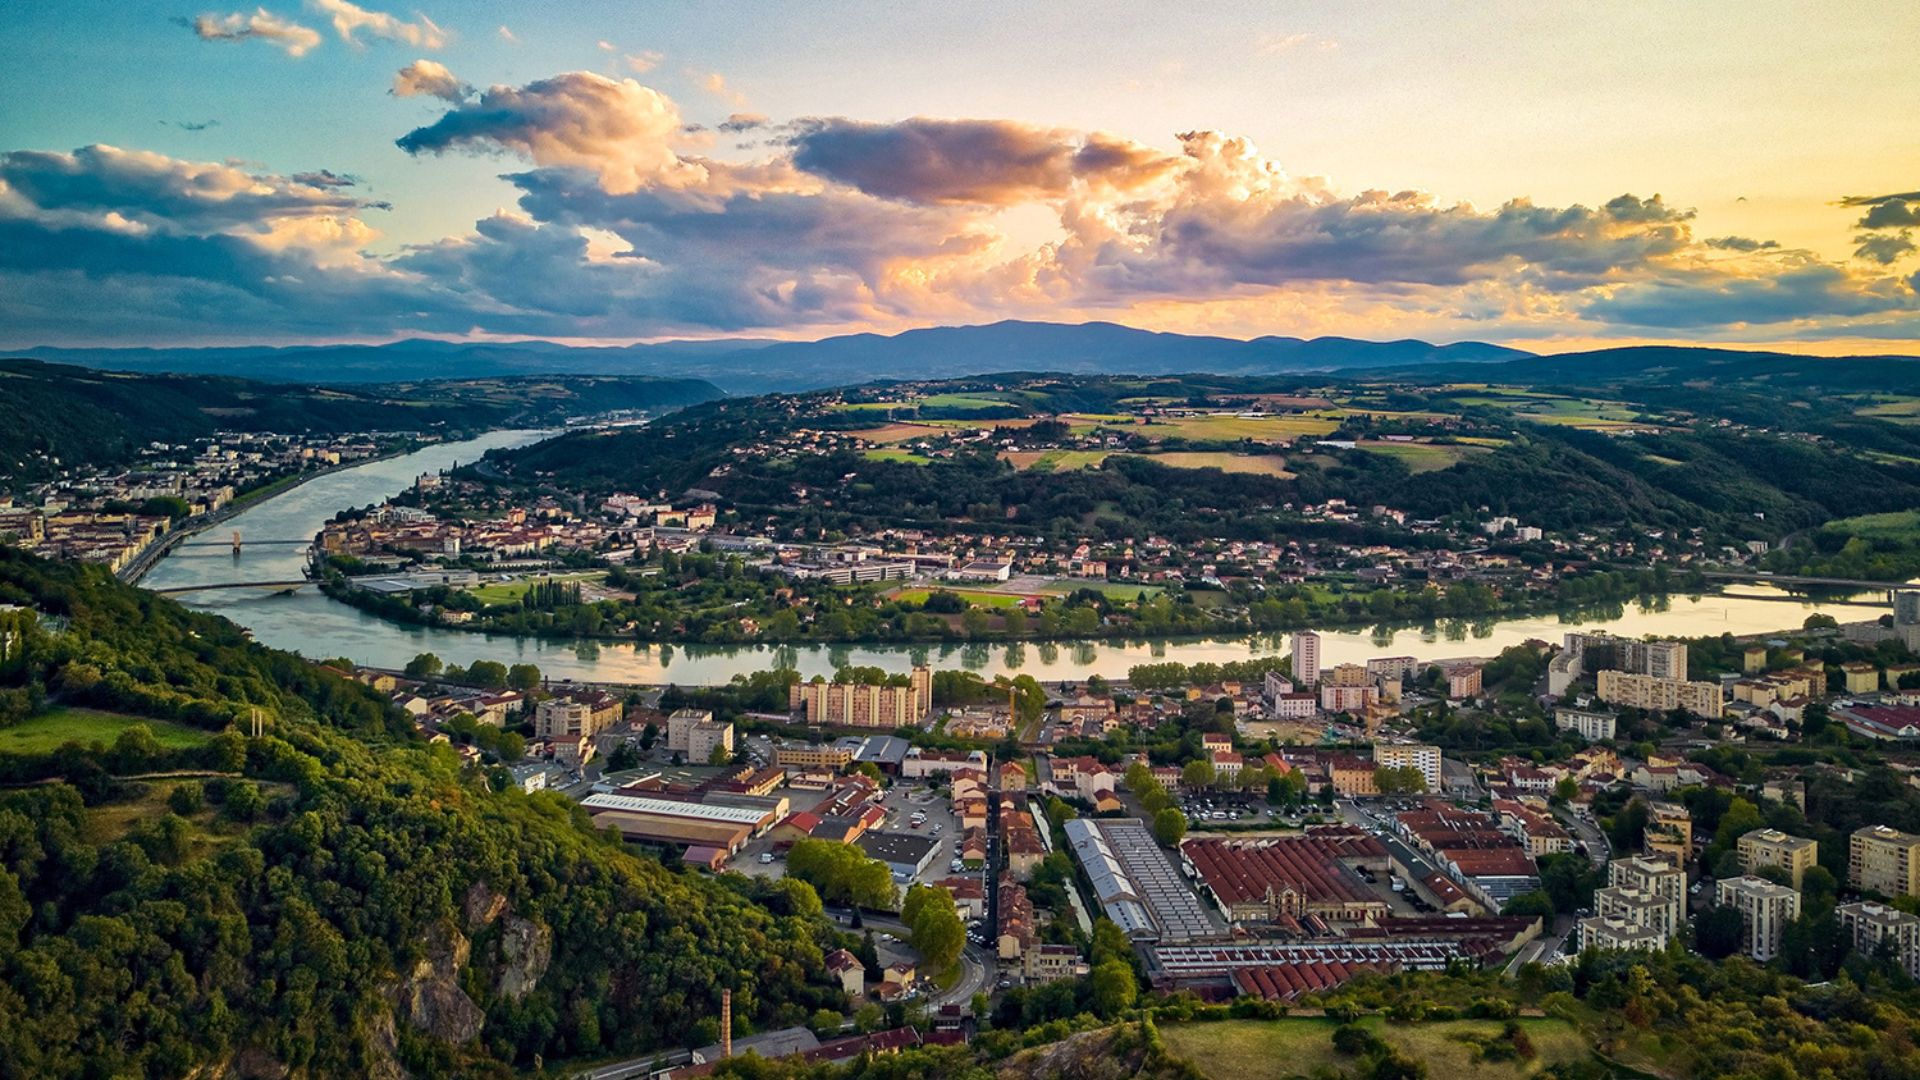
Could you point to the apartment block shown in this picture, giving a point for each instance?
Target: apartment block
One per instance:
(865, 705)
(1306, 658)
(1870, 926)
(1669, 833)
(696, 734)
(1885, 861)
(1643, 892)
(1765, 908)
(1771, 847)
(1590, 724)
(1655, 694)
(1414, 755)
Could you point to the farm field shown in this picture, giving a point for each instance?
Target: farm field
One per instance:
(1423, 457)
(904, 457)
(1228, 427)
(1263, 465)
(1899, 525)
(59, 726)
(898, 432)
(1255, 1049)
(1053, 460)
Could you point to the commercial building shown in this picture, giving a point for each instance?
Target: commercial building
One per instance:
(1655, 694)
(1884, 860)
(1306, 658)
(888, 705)
(696, 734)
(1765, 908)
(1290, 877)
(906, 854)
(1771, 847)
(1871, 927)
(1410, 755)
(674, 822)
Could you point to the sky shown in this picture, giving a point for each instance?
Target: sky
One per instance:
(1548, 175)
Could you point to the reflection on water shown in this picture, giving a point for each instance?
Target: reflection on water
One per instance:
(315, 626)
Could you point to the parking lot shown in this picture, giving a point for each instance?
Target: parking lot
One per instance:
(904, 801)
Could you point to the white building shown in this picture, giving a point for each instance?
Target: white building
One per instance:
(1306, 658)
(1765, 909)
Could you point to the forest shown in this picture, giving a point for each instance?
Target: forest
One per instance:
(335, 895)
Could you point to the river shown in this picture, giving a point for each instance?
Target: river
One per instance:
(309, 623)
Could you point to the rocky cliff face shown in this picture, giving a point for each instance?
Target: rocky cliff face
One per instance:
(430, 996)
(526, 948)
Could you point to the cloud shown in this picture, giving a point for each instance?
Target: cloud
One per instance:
(1275, 44)
(1741, 243)
(716, 84)
(192, 125)
(1884, 248)
(349, 19)
(507, 35)
(741, 122)
(1803, 290)
(431, 79)
(263, 25)
(619, 129)
(1897, 211)
(994, 162)
(325, 178)
(642, 62)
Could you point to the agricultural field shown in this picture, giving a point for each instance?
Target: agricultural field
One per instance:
(57, 727)
(1900, 525)
(1231, 427)
(1423, 457)
(1899, 410)
(965, 401)
(1259, 464)
(904, 457)
(1256, 1049)
(1047, 461)
(900, 432)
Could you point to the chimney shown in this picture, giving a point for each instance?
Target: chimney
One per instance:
(726, 1023)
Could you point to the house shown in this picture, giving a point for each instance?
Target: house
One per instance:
(847, 968)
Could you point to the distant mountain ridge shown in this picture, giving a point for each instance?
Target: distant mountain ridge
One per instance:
(759, 366)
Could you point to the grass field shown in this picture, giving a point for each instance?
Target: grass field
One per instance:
(964, 401)
(1265, 1049)
(976, 597)
(1424, 457)
(1899, 525)
(1905, 410)
(1113, 590)
(509, 591)
(51, 730)
(1046, 461)
(1229, 427)
(905, 457)
(1261, 464)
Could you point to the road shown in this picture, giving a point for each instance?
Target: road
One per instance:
(1599, 850)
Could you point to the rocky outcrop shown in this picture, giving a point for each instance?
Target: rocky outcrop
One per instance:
(482, 906)
(430, 996)
(526, 948)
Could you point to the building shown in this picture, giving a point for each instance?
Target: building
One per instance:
(1463, 681)
(1273, 687)
(812, 756)
(1589, 724)
(1598, 932)
(1765, 909)
(906, 854)
(923, 764)
(1644, 893)
(846, 967)
(1410, 755)
(1754, 660)
(1290, 877)
(1871, 927)
(1669, 832)
(695, 734)
(889, 705)
(1771, 847)
(1885, 861)
(583, 714)
(1335, 698)
(1306, 658)
(1655, 694)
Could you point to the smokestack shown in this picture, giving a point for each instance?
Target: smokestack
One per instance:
(726, 1023)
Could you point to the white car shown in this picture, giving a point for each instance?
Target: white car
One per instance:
(766, 857)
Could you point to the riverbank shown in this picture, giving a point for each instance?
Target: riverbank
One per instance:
(144, 562)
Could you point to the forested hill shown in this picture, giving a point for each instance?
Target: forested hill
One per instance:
(335, 898)
(82, 415)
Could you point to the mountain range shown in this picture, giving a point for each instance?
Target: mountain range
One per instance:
(760, 366)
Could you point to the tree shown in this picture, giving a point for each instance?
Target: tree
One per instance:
(1197, 774)
(841, 873)
(937, 932)
(523, 676)
(491, 674)
(1170, 827)
(1112, 988)
(624, 757)
(826, 1022)
(1536, 902)
(1719, 932)
(719, 756)
(424, 666)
